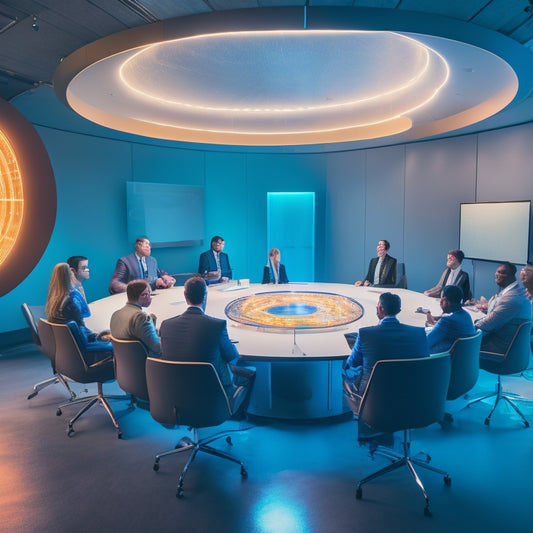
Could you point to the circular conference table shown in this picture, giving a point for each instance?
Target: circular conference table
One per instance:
(298, 368)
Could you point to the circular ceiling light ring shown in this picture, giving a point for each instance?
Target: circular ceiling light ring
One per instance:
(470, 95)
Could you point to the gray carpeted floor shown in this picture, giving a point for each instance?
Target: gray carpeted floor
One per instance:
(302, 477)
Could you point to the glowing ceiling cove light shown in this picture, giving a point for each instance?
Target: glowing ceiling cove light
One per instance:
(255, 77)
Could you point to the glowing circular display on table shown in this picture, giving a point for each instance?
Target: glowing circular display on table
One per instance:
(291, 310)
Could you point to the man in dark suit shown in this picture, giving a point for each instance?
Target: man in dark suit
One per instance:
(452, 275)
(388, 340)
(381, 269)
(453, 324)
(214, 264)
(139, 265)
(194, 336)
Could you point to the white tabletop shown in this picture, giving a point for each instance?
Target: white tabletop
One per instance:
(260, 342)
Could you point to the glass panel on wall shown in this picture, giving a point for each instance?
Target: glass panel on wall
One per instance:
(291, 228)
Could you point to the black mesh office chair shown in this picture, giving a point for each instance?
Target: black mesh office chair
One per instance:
(32, 314)
(515, 360)
(189, 394)
(70, 362)
(404, 394)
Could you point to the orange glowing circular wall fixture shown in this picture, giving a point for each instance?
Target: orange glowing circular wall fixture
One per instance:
(28, 200)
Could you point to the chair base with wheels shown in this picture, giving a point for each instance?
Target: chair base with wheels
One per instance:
(89, 401)
(38, 387)
(514, 361)
(500, 394)
(403, 459)
(196, 445)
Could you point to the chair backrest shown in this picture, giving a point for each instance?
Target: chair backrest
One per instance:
(130, 366)
(401, 278)
(518, 354)
(48, 341)
(69, 358)
(32, 313)
(406, 393)
(465, 365)
(186, 393)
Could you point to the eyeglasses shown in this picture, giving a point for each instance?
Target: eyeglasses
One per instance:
(83, 268)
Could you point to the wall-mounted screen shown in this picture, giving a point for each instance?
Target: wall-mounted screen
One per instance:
(169, 215)
(495, 231)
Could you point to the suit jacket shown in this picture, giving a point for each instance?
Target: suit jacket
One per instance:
(388, 340)
(448, 329)
(387, 275)
(462, 280)
(132, 323)
(208, 263)
(505, 313)
(127, 269)
(194, 336)
(282, 275)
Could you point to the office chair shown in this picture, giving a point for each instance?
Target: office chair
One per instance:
(404, 394)
(513, 361)
(189, 394)
(70, 362)
(130, 367)
(45, 342)
(401, 277)
(464, 354)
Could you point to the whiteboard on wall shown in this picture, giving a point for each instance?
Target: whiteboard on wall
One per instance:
(495, 231)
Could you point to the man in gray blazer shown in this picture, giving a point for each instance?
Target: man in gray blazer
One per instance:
(132, 323)
(195, 336)
(505, 311)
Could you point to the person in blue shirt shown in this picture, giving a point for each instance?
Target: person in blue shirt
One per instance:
(79, 272)
(454, 323)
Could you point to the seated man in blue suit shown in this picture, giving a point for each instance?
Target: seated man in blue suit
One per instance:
(195, 336)
(214, 264)
(388, 340)
(506, 310)
(453, 324)
(139, 265)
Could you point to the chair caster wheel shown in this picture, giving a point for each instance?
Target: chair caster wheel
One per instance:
(244, 473)
(119, 434)
(156, 467)
(447, 480)
(179, 494)
(229, 441)
(427, 512)
(358, 493)
(526, 423)
(487, 421)
(59, 412)
(70, 432)
(32, 395)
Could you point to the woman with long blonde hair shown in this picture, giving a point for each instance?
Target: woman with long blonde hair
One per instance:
(61, 308)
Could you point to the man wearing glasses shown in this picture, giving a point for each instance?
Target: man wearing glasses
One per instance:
(214, 264)
(79, 272)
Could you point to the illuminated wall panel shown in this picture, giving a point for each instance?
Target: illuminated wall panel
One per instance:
(11, 198)
(291, 228)
(27, 198)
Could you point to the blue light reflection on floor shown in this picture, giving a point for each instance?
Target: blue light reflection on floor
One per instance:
(292, 309)
(276, 515)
